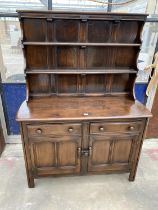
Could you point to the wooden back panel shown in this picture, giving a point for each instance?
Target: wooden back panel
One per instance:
(79, 30)
(80, 53)
(91, 84)
(84, 57)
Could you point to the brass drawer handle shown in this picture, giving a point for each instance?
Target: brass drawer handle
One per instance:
(39, 131)
(131, 128)
(70, 130)
(101, 129)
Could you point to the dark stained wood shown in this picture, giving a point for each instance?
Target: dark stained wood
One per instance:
(85, 84)
(53, 129)
(123, 127)
(68, 108)
(75, 42)
(84, 57)
(28, 164)
(137, 152)
(80, 116)
(36, 57)
(55, 156)
(37, 30)
(2, 141)
(107, 151)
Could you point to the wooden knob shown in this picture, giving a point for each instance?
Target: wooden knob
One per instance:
(39, 131)
(131, 128)
(70, 130)
(101, 129)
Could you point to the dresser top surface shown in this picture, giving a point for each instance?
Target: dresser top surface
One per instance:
(81, 108)
(81, 14)
(68, 11)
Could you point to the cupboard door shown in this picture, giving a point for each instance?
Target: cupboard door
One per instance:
(55, 155)
(111, 152)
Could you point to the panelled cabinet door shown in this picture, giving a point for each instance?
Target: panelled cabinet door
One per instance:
(60, 155)
(111, 152)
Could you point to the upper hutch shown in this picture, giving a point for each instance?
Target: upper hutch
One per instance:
(80, 115)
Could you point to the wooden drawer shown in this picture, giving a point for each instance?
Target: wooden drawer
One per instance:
(54, 129)
(116, 127)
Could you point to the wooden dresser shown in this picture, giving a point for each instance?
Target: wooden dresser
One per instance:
(80, 116)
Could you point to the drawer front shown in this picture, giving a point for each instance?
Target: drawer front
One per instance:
(100, 128)
(54, 129)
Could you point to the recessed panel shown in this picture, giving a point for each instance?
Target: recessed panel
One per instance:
(122, 82)
(122, 150)
(67, 153)
(127, 32)
(39, 83)
(44, 154)
(67, 83)
(111, 57)
(95, 83)
(66, 30)
(100, 152)
(67, 57)
(99, 31)
(34, 29)
(52, 57)
(100, 57)
(126, 57)
(36, 57)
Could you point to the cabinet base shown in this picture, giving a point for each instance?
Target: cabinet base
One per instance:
(31, 183)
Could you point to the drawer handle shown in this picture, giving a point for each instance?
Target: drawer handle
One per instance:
(101, 129)
(131, 128)
(70, 130)
(39, 131)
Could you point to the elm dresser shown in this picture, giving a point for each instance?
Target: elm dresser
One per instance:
(80, 116)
